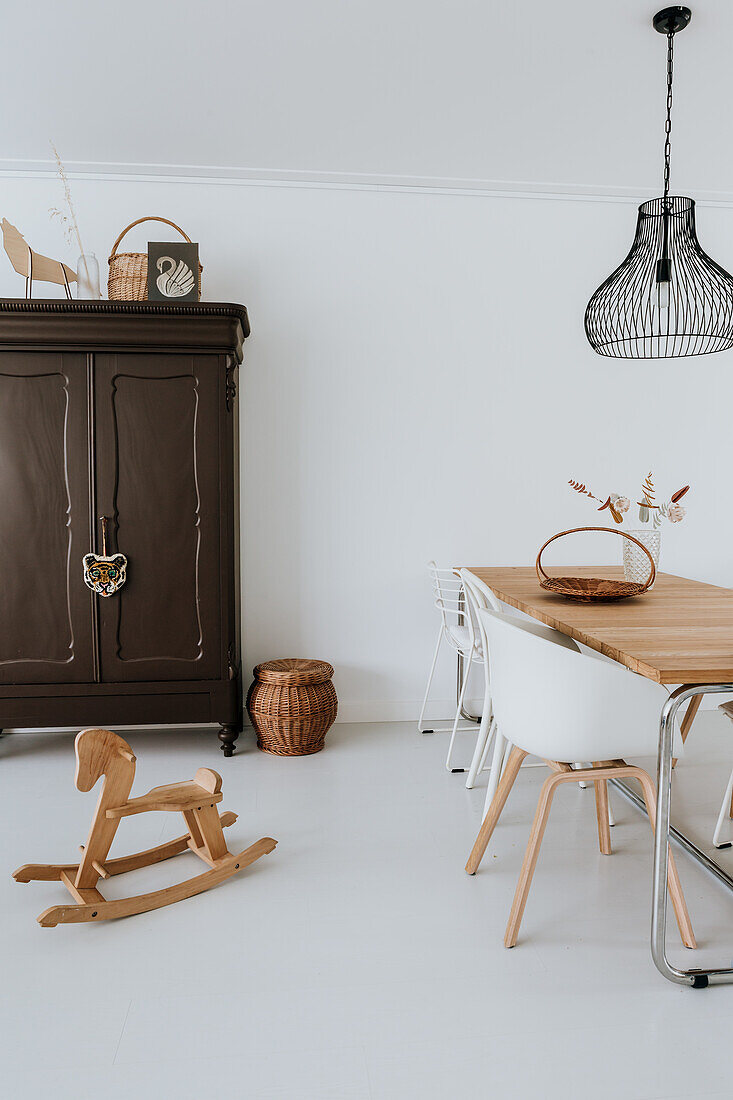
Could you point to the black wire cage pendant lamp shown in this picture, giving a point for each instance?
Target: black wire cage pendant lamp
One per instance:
(668, 297)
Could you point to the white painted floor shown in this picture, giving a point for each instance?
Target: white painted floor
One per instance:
(359, 960)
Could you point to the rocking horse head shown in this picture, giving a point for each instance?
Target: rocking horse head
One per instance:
(101, 752)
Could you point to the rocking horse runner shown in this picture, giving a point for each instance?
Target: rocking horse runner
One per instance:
(100, 752)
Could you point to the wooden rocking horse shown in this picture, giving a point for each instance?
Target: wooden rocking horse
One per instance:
(100, 752)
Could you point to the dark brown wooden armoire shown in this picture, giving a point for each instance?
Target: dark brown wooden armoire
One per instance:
(123, 410)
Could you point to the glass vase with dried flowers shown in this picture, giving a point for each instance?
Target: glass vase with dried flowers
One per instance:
(651, 515)
(87, 267)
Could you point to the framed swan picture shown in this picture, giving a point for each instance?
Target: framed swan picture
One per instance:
(173, 271)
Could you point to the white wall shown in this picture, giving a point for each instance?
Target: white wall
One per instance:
(571, 96)
(418, 384)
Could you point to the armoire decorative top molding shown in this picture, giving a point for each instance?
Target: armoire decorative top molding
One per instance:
(56, 323)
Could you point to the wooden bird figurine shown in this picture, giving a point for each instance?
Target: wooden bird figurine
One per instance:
(32, 265)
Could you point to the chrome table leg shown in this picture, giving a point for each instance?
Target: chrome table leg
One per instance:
(697, 978)
(664, 832)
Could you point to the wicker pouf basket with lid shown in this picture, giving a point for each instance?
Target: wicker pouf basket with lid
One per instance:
(292, 704)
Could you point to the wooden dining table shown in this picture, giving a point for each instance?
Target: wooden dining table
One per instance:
(680, 632)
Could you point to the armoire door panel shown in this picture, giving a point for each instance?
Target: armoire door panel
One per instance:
(45, 608)
(158, 483)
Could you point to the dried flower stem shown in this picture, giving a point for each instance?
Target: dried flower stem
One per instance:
(648, 510)
(74, 228)
(581, 487)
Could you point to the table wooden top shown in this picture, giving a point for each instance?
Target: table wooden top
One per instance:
(679, 632)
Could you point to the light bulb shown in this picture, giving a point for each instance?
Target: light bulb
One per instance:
(660, 289)
(660, 295)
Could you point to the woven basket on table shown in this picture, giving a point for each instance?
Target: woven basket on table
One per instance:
(292, 704)
(594, 589)
(128, 271)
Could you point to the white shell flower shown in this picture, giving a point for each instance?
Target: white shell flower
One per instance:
(622, 504)
(675, 513)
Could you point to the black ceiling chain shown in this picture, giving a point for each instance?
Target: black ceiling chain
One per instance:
(668, 122)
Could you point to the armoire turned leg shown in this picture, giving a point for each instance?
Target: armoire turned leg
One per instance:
(228, 735)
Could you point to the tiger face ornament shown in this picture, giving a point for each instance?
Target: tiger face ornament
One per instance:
(104, 575)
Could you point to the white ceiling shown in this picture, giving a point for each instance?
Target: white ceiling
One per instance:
(563, 94)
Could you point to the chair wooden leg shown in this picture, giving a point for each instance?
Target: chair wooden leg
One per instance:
(604, 832)
(675, 887)
(516, 756)
(530, 857)
(613, 769)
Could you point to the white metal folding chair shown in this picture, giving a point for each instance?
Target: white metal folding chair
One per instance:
(478, 595)
(462, 637)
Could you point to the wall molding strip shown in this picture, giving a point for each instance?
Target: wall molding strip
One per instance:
(341, 181)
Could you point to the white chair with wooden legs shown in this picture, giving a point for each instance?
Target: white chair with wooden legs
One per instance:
(482, 598)
(563, 705)
(462, 637)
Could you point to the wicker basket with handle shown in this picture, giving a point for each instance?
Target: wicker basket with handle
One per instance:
(128, 271)
(593, 589)
(292, 704)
